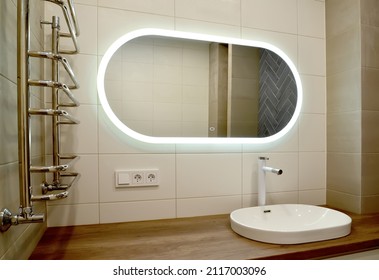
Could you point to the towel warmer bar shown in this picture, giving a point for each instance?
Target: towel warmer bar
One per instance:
(60, 167)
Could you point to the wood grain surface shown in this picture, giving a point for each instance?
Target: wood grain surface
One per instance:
(197, 238)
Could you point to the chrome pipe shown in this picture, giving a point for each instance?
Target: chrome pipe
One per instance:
(53, 168)
(61, 59)
(73, 16)
(54, 113)
(57, 186)
(7, 219)
(68, 156)
(70, 72)
(58, 85)
(276, 171)
(23, 97)
(57, 196)
(55, 29)
(53, 187)
(72, 24)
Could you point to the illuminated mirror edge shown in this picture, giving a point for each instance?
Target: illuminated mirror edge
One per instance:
(193, 140)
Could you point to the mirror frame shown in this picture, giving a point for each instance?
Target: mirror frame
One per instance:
(193, 140)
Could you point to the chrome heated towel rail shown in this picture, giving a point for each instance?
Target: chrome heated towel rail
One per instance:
(58, 178)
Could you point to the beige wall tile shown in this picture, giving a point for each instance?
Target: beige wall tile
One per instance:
(370, 204)
(261, 14)
(312, 171)
(225, 12)
(370, 131)
(370, 84)
(312, 56)
(344, 91)
(344, 132)
(370, 43)
(312, 131)
(203, 175)
(137, 211)
(344, 51)
(314, 89)
(341, 16)
(312, 18)
(8, 128)
(370, 174)
(162, 7)
(369, 12)
(73, 214)
(312, 197)
(344, 201)
(344, 172)
(207, 206)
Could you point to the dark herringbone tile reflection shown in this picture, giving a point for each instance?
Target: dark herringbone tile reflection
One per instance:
(278, 96)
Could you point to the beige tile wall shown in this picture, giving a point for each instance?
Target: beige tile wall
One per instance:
(370, 106)
(353, 114)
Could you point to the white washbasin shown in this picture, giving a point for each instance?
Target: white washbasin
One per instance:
(290, 223)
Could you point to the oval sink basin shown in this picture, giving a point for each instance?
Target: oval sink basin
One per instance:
(290, 223)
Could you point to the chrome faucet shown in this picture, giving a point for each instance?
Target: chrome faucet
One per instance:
(262, 169)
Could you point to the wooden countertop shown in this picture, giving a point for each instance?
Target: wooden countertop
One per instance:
(196, 238)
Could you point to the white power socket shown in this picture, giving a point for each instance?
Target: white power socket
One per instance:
(137, 178)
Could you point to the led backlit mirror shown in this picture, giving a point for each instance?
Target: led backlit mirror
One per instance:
(162, 86)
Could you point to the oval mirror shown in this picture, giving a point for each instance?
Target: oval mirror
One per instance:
(163, 86)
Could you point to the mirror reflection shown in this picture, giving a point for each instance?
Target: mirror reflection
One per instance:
(171, 87)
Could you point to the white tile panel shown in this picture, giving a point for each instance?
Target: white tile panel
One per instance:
(137, 211)
(202, 175)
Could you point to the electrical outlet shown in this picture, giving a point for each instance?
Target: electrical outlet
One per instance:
(152, 177)
(138, 178)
